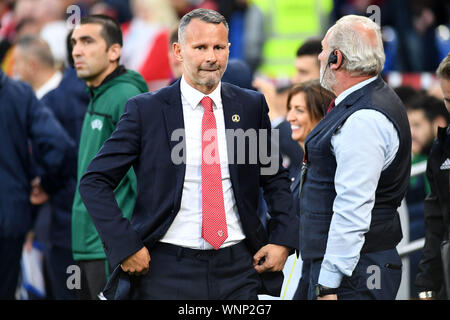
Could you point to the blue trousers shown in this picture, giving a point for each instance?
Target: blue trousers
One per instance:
(178, 273)
(377, 276)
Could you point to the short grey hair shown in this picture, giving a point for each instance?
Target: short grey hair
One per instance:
(206, 15)
(38, 48)
(361, 56)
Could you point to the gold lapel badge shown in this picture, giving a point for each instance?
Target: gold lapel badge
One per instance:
(235, 118)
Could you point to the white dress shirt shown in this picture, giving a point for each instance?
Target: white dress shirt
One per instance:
(365, 145)
(186, 228)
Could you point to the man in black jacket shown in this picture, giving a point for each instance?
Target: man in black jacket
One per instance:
(430, 280)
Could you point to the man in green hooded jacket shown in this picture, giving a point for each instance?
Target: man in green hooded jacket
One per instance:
(96, 47)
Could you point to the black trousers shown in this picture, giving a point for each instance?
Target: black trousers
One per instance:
(10, 254)
(57, 261)
(94, 274)
(178, 273)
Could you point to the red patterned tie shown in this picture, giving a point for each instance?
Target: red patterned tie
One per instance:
(214, 222)
(331, 106)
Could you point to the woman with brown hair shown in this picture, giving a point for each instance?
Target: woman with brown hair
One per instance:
(306, 103)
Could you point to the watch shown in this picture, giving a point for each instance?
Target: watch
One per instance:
(426, 294)
(321, 291)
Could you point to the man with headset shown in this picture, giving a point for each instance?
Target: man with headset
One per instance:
(356, 171)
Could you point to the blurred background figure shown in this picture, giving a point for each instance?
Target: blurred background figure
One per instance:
(65, 95)
(175, 66)
(34, 64)
(287, 24)
(238, 73)
(145, 37)
(25, 119)
(306, 104)
(246, 23)
(182, 7)
(306, 62)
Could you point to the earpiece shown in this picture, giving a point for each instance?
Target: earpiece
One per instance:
(332, 58)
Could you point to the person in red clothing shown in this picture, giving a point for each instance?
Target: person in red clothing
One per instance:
(145, 40)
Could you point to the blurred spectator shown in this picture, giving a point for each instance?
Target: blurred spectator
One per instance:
(51, 14)
(182, 7)
(117, 9)
(25, 118)
(27, 27)
(238, 73)
(145, 41)
(69, 103)
(407, 94)
(6, 26)
(288, 23)
(34, 64)
(307, 62)
(415, 24)
(246, 23)
(175, 66)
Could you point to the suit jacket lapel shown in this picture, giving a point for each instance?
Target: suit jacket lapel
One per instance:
(233, 112)
(173, 117)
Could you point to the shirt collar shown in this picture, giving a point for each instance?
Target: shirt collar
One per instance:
(193, 96)
(51, 84)
(352, 89)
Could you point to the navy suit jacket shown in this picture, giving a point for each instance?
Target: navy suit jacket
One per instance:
(143, 139)
(24, 119)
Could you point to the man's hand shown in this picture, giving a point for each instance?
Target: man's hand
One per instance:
(271, 257)
(38, 196)
(138, 263)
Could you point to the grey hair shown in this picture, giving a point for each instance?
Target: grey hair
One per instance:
(361, 56)
(37, 47)
(206, 15)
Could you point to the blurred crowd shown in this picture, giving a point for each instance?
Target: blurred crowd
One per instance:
(265, 34)
(274, 45)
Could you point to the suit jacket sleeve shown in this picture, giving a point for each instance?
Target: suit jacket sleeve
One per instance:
(283, 226)
(53, 148)
(102, 176)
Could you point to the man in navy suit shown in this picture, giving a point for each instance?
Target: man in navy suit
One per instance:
(176, 247)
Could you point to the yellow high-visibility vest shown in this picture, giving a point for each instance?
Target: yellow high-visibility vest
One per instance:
(288, 23)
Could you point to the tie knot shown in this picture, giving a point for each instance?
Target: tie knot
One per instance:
(207, 104)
